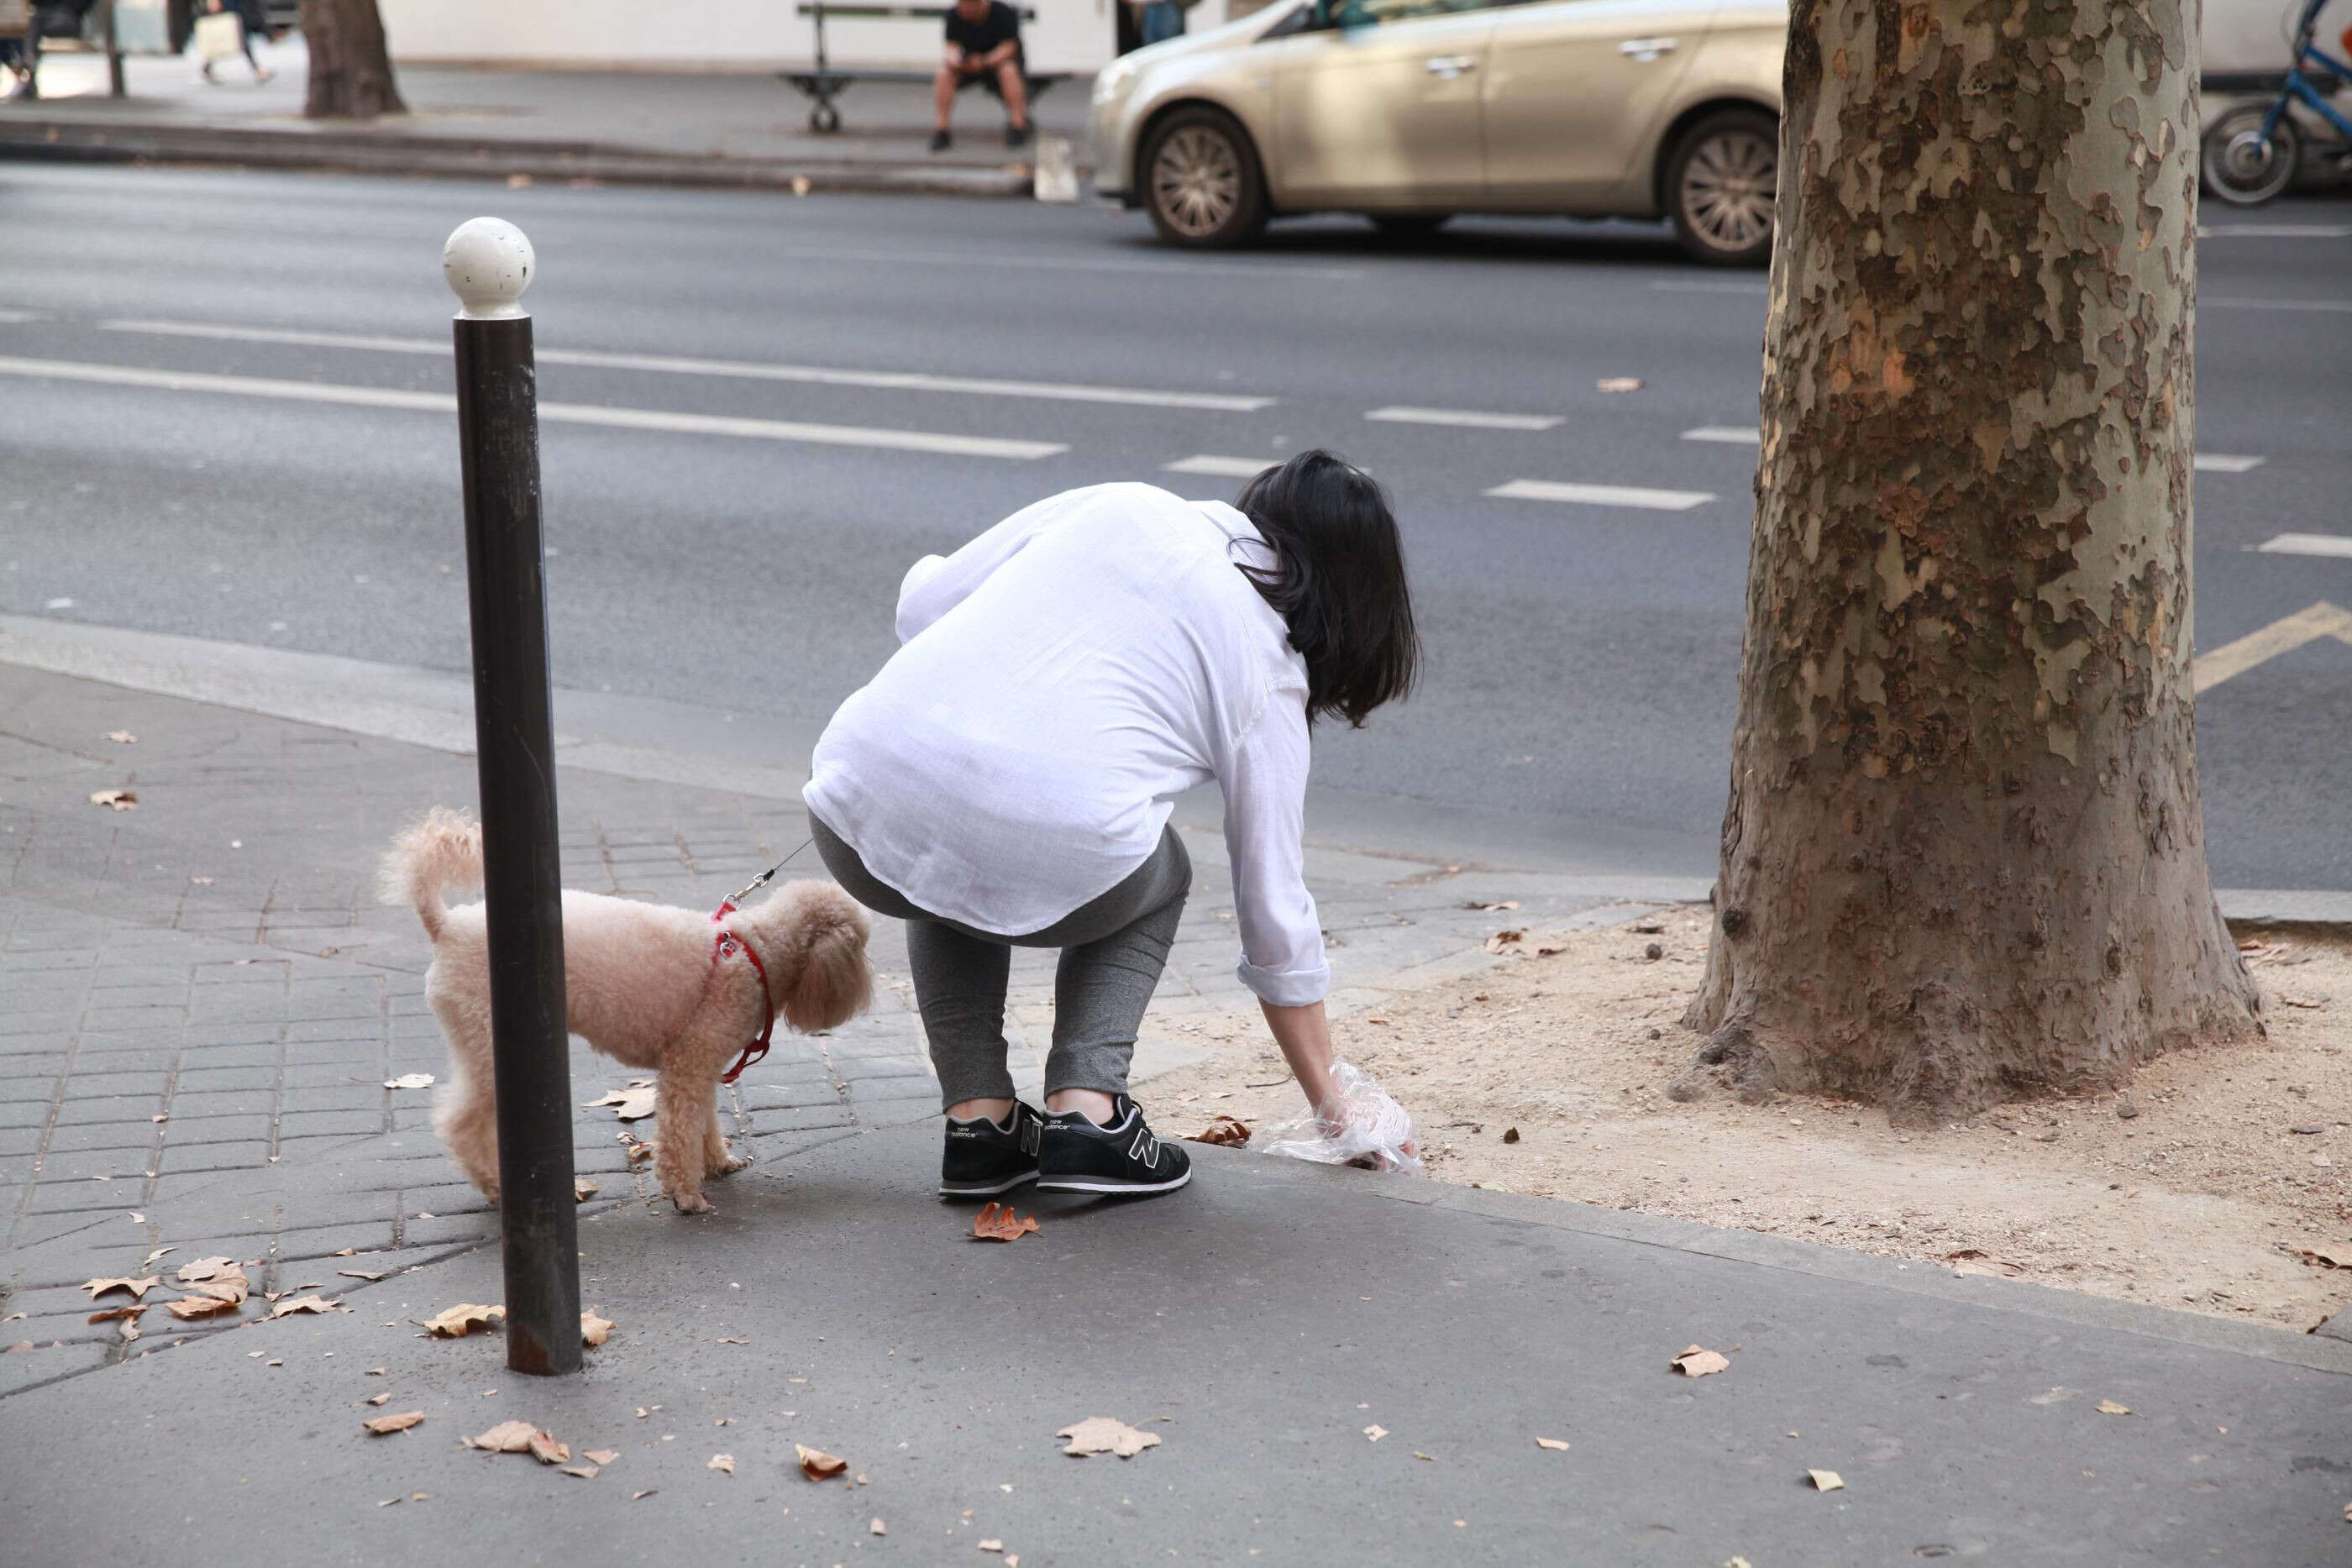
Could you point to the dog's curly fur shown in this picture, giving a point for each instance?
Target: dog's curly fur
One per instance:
(639, 985)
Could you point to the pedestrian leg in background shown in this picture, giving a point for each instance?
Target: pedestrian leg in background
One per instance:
(255, 26)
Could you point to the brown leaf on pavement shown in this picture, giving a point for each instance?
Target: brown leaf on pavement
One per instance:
(121, 737)
(640, 1153)
(997, 1222)
(1698, 1361)
(521, 1437)
(205, 1268)
(20, 1344)
(585, 1472)
(1551, 1443)
(401, 1423)
(138, 1288)
(111, 1314)
(594, 1330)
(2109, 1407)
(1827, 1481)
(602, 1456)
(1103, 1435)
(1376, 1432)
(464, 1319)
(818, 1464)
(1618, 384)
(1495, 908)
(120, 800)
(631, 1105)
(878, 1528)
(583, 1189)
(1225, 1131)
(547, 1451)
(722, 1462)
(383, 1398)
(999, 1545)
(303, 1305)
(359, 1274)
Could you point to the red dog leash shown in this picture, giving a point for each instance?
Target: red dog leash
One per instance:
(725, 945)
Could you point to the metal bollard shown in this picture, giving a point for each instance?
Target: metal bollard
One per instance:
(487, 262)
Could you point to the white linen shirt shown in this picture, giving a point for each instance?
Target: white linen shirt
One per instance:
(1060, 681)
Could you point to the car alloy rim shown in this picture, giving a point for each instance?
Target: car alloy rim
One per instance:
(1728, 188)
(1197, 181)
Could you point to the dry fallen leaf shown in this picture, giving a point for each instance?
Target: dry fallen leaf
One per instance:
(2109, 1407)
(1698, 1361)
(641, 1496)
(585, 1472)
(583, 1189)
(464, 1319)
(818, 1464)
(400, 1422)
(1102, 1434)
(997, 1222)
(640, 1153)
(521, 1437)
(634, 1104)
(205, 1268)
(410, 1081)
(594, 1330)
(1376, 1432)
(601, 1455)
(1223, 1130)
(999, 1545)
(138, 1288)
(1976, 1261)
(20, 1344)
(1827, 1481)
(120, 800)
(382, 1399)
(2290, 1001)
(1551, 1443)
(878, 1528)
(302, 1304)
(359, 1274)
(1495, 908)
(121, 737)
(1618, 383)
(722, 1462)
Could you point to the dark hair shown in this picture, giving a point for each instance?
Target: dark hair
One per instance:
(1338, 581)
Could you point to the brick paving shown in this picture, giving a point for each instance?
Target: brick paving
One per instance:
(201, 1000)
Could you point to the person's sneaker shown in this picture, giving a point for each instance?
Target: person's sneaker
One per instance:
(985, 1157)
(942, 141)
(1079, 1156)
(1016, 136)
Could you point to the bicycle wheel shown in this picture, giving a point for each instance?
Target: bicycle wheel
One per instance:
(2244, 167)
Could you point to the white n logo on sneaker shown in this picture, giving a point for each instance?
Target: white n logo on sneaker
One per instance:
(1143, 1141)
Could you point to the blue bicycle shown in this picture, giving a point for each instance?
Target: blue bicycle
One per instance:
(2251, 153)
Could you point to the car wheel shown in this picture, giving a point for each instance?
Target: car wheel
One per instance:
(2243, 166)
(1409, 226)
(1722, 180)
(1200, 181)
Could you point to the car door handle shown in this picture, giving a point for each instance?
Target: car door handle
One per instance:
(1450, 66)
(1647, 49)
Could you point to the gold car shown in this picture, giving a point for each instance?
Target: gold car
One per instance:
(1409, 111)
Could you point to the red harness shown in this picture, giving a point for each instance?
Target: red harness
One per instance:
(725, 945)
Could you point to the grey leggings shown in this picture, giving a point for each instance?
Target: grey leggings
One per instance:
(1114, 949)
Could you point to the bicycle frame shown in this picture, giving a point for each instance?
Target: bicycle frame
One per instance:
(2307, 50)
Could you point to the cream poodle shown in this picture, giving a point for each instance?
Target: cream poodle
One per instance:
(641, 983)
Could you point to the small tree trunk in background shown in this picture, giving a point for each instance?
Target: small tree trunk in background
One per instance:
(1963, 859)
(350, 64)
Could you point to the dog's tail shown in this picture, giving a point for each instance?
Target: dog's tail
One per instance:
(444, 851)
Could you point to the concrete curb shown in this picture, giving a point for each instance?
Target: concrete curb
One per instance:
(368, 152)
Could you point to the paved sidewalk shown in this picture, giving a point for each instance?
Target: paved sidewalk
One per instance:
(655, 127)
(203, 999)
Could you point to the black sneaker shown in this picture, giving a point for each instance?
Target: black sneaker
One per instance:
(1079, 1156)
(942, 141)
(985, 1157)
(1016, 136)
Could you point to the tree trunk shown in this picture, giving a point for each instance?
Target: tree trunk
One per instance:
(1964, 859)
(350, 64)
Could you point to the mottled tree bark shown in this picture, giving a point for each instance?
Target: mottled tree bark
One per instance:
(1964, 855)
(351, 64)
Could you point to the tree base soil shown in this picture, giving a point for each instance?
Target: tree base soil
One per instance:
(2216, 1182)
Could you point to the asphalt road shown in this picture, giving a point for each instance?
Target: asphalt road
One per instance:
(1583, 653)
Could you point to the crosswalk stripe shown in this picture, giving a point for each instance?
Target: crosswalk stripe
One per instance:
(1465, 418)
(1223, 467)
(549, 412)
(1602, 494)
(748, 370)
(1746, 435)
(2282, 636)
(2307, 544)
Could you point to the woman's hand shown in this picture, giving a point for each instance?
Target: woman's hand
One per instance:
(1305, 1036)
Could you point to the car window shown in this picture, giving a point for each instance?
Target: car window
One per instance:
(1375, 13)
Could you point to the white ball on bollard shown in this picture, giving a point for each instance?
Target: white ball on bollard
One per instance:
(487, 262)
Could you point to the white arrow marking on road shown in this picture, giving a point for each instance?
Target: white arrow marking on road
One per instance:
(1465, 418)
(2307, 544)
(1743, 435)
(549, 412)
(1602, 494)
(747, 370)
(1223, 467)
(2283, 636)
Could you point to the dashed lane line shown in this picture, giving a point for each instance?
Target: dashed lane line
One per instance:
(549, 413)
(2307, 544)
(2281, 636)
(1466, 419)
(1602, 494)
(17, 317)
(747, 370)
(2274, 231)
(1747, 435)
(1222, 467)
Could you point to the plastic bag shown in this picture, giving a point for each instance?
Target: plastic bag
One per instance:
(1365, 1127)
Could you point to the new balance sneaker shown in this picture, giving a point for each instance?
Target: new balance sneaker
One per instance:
(1079, 1156)
(985, 1157)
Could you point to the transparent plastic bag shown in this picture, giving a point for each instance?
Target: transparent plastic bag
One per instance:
(1366, 1128)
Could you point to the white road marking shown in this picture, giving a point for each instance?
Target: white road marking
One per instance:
(1742, 435)
(1223, 467)
(549, 412)
(14, 317)
(2307, 544)
(1708, 286)
(1465, 418)
(749, 370)
(2282, 636)
(2274, 231)
(2231, 302)
(1602, 494)
(1004, 266)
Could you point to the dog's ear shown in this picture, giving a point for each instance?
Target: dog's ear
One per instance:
(835, 982)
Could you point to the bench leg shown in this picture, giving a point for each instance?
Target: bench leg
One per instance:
(825, 119)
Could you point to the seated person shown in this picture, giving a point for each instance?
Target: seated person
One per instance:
(983, 51)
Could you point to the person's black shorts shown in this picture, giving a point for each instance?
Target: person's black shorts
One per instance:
(986, 80)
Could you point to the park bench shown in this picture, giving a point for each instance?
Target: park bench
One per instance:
(827, 81)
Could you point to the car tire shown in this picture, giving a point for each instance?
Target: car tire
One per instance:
(1409, 226)
(1201, 182)
(1721, 183)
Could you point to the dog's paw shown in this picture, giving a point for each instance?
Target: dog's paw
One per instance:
(729, 1165)
(691, 1203)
